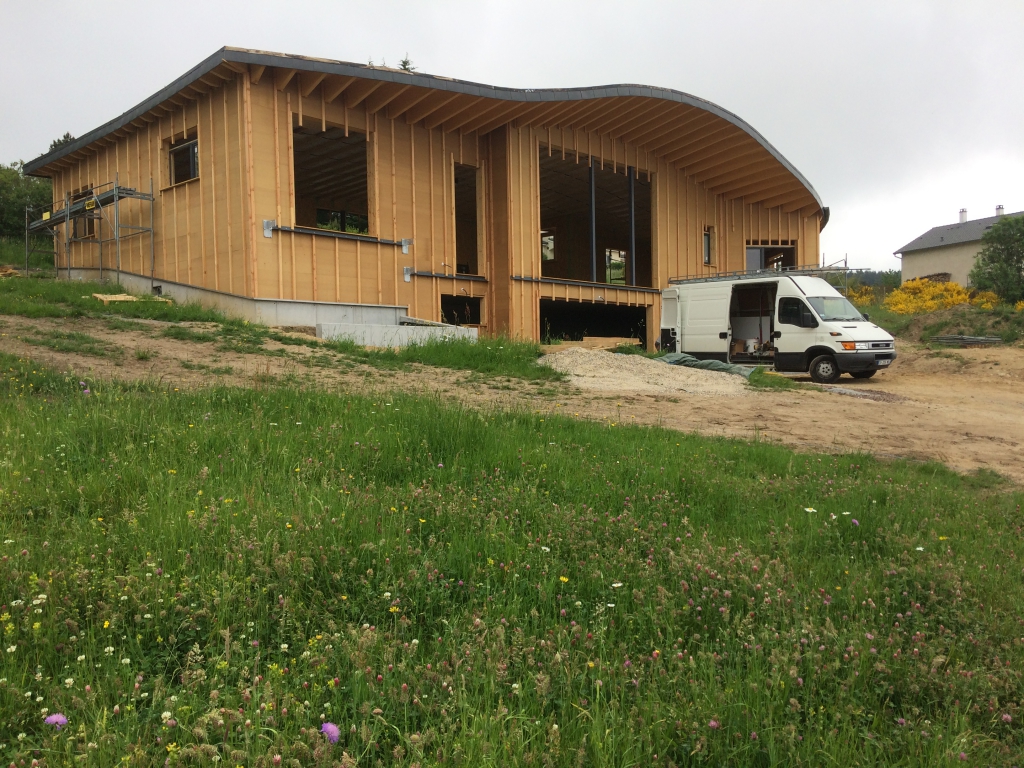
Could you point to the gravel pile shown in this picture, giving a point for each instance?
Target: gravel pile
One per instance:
(602, 371)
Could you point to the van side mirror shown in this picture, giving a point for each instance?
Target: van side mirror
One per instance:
(866, 315)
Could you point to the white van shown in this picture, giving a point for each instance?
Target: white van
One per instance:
(792, 322)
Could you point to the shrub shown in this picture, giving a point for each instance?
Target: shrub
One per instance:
(919, 296)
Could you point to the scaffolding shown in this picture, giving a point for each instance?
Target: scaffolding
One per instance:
(98, 204)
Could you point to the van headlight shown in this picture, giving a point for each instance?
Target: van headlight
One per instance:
(854, 345)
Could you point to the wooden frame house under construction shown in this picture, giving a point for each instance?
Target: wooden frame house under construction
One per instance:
(302, 191)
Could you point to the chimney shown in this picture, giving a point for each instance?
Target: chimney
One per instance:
(1000, 210)
(963, 215)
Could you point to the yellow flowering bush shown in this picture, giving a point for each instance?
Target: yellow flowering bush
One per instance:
(985, 299)
(920, 295)
(1019, 306)
(861, 295)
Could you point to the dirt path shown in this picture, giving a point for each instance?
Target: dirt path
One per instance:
(964, 408)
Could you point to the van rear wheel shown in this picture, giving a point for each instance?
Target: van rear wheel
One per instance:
(824, 369)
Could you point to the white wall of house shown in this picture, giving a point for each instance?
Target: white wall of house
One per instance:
(956, 259)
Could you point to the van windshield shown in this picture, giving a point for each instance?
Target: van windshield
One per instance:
(834, 309)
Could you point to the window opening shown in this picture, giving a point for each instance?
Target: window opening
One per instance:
(184, 157)
(707, 244)
(547, 244)
(331, 180)
(460, 310)
(565, 221)
(774, 257)
(466, 240)
(83, 226)
(615, 265)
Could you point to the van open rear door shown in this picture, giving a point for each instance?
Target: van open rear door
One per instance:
(705, 320)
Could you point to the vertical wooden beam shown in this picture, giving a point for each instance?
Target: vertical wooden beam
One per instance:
(277, 194)
(227, 197)
(213, 195)
(251, 183)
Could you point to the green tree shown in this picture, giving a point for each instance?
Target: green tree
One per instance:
(406, 64)
(1000, 265)
(64, 140)
(16, 191)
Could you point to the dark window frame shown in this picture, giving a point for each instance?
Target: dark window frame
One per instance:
(189, 148)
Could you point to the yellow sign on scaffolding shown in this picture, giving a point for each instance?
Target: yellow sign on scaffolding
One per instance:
(90, 204)
(46, 215)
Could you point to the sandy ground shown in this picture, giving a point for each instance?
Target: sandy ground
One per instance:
(964, 408)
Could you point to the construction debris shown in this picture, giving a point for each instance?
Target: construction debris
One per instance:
(106, 298)
(9, 272)
(966, 341)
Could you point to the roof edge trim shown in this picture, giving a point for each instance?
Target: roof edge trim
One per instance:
(326, 66)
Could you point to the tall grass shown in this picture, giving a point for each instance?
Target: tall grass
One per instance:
(12, 252)
(214, 574)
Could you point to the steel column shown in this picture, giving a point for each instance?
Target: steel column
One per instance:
(632, 226)
(593, 222)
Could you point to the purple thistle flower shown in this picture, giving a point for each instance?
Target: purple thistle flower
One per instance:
(331, 731)
(714, 725)
(855, 522)
(57, 720)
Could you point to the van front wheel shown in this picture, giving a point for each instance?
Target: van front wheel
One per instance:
(824, 369)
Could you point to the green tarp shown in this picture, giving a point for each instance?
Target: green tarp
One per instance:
(681, 358)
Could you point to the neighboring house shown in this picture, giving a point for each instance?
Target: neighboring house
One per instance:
(948, 250)
(298, 191)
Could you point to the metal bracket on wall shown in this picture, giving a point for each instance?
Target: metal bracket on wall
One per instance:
(407, 272)
(268, 227)
(406, 242)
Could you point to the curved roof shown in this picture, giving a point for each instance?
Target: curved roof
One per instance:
(708, 142)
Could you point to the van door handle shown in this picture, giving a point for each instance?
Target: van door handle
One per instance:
(777, 335)
(723, 335)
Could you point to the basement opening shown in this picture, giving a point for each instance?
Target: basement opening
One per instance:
(466, 225)
(331, 180)
(460, 310)
(572, 320)
(595, 223)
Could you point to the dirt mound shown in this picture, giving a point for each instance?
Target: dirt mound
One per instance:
(601, 371)
(967, 321)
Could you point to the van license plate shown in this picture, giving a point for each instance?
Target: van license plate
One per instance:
(884, 362)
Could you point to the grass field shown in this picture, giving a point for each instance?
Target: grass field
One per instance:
(496, 357)
(964, 320)
(210, 577)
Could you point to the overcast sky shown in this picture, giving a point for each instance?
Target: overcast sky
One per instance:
(899, 112)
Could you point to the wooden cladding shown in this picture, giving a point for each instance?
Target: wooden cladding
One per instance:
(457, 174)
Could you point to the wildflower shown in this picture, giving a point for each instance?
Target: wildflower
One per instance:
(616, 585)
(564, 579)
(963, 756)
(57, 720)
(854, 521)
(901, 721)
(126, 661)
(109, 650)
(545, 549)
(919, 549)
(753, 735)
(331, 731)
(284, 647)
(81, 658)
(12, 648)
(69, 682)
(1007, 718)
(714, 725)
(806, 509)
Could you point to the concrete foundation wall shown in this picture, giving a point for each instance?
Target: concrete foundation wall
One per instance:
(392, 335)
(265, 311)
